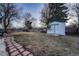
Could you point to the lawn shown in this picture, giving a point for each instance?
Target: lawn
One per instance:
(41, 44)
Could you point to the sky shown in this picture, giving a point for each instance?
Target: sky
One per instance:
(72, 14)
(33, 8)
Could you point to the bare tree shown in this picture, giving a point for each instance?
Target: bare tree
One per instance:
(27, 17)
(76, 8)
(7, 13)
(28, 20)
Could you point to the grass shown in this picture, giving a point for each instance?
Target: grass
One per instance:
(41, 44)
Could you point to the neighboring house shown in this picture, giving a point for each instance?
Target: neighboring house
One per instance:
(56, 28)
(71, 30)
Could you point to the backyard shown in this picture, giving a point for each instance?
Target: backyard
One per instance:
(39, 29)
(43, 44)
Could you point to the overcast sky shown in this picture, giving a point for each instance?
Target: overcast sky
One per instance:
(33, 8)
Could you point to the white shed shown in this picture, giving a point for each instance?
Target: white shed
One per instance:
(56, 28)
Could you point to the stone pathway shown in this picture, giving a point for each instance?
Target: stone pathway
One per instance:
(9, 47)
(15, 49)
(2, 48)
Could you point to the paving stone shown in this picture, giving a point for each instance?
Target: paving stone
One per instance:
(19, 47)
(14, 53)
(21, 50)
(15, 43)
(11, 47)
(14, 49)
(9, 43)
(25, 53)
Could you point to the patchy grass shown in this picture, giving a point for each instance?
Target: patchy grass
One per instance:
(41, 44)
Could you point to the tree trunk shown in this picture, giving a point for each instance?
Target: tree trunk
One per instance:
(4, 24)
(78, 26)
(5, 28)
